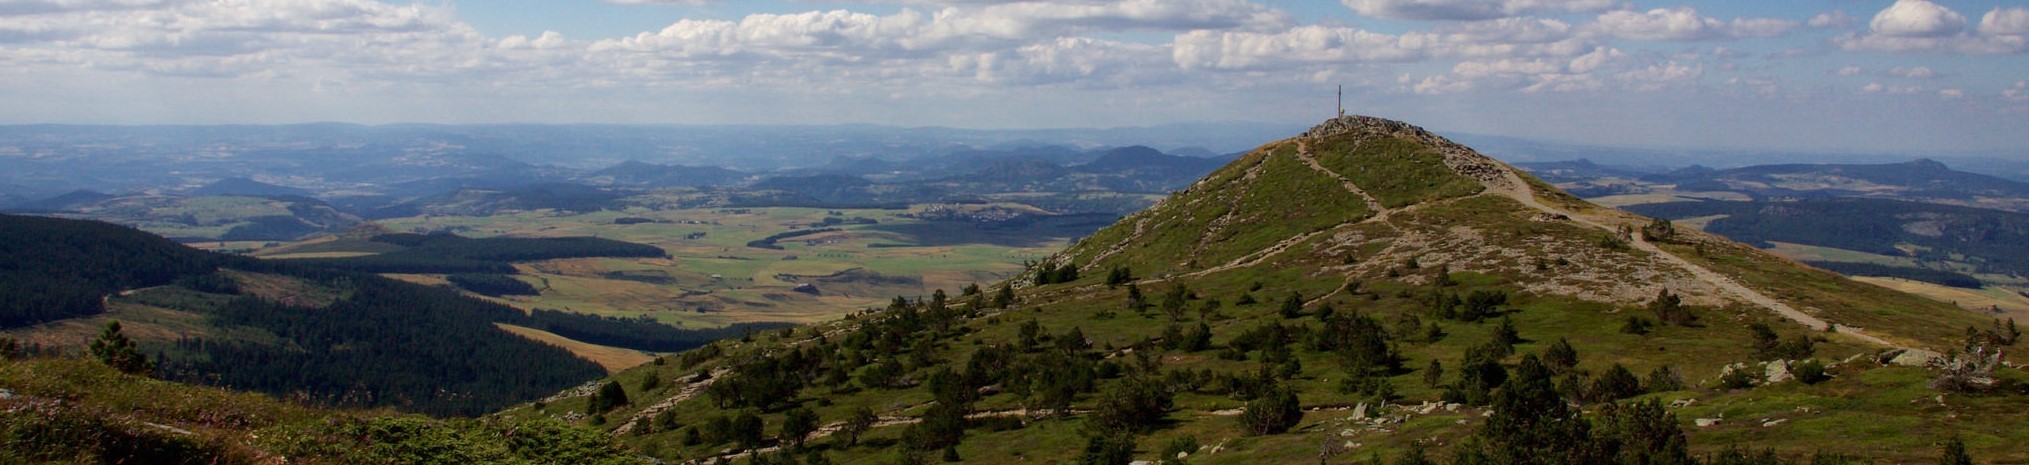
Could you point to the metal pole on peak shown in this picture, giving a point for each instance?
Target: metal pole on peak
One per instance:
(1342, 100)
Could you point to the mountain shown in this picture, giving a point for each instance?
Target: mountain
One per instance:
(1578, 170)
(67, 201)
(639, 174)
(1143, 169)
(1918, 179)
(209, 218)
(247, 187)
(1366, 288)
(1989, 241)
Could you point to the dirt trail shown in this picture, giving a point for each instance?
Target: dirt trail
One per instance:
(689, 391)
(1380, 214)
(1519, 190)
(1303, 153)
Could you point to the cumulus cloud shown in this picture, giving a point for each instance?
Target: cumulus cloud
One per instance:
(1467, 10)
(1917, 18)
(1685, 24)
(1849, 71)
(1951, 93)
(2006, 22)
(2019, 92)
(1922, 26)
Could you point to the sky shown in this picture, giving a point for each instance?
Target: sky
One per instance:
(1927, 76)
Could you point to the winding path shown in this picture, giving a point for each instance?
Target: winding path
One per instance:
(1519, 190)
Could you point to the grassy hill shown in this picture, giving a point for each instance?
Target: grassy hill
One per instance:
(1366, 290)
(316, 333)
(78, 411)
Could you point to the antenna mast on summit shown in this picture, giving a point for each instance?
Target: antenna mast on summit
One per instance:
(1342, 100)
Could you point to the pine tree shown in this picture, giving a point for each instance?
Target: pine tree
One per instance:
(1292, 307)
(1560, 357)
(856, 424)
(115, 350)
(1955, 453)
(797, 424)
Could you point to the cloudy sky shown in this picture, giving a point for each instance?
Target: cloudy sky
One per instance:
(1851, 75)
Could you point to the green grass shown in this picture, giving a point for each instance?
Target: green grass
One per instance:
(79, 411)
(1395, 171)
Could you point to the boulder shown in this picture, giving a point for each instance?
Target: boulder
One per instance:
(1778, 371)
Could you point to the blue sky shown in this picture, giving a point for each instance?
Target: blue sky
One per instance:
(1827, 75)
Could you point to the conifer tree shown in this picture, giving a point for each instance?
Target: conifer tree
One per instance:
(117, 351)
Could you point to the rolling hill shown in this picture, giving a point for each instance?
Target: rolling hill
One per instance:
(318, 331)
(1987, 241)
(1367, 289)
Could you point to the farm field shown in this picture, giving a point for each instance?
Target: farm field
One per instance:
(713, 277)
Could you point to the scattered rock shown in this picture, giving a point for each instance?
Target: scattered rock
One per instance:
(1772, 423)
(1681, 403)
(1451, 407)
(170, 429)
(1778, 371)
(1360, 411)
(1706, 422)
(1913, 358)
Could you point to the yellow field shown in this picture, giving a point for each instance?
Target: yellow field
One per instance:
(1981, 300)
(612, 358)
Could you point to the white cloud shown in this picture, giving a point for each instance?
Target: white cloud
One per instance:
(1831, 20)
(1917, 18)
(1467, 10)
(1951, 93)
(1685, 24)
(659, 2)
(1660, 76)
(1849, 71)
(1922, 26)
(2006, 22)
(2019, 92)
(1879, 88)
(1917, 72)
(1071, 60)
(1302, 45)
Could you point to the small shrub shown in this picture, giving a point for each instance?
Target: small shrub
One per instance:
(1809, 371)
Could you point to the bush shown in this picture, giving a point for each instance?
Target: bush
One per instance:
(1179, 446)
(1273, 413)
(1663, 379)
(1809, 371)
(1103, 448)
(1615, 384)
(1737, 379)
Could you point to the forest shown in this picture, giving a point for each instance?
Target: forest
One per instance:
(448, 253)
(51, 269)
(381, 343)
